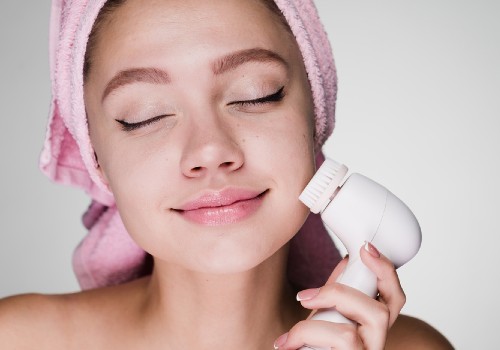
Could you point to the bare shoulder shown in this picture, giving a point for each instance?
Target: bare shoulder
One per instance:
(410, 333)
(27, 320)
(83, 320)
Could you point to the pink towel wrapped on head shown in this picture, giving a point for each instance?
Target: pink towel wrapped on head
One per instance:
(108, 255)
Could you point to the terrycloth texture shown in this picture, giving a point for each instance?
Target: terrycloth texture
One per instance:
(107, 255)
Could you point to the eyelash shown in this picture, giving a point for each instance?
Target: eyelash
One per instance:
(275, 97)
(134, 126)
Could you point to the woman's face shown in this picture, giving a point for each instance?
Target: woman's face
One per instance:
(201, 117)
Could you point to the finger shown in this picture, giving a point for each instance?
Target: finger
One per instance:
(338, 270)
(388, 284)
(320, 334)
(371, 315)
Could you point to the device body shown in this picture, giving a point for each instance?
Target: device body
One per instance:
(362, 211)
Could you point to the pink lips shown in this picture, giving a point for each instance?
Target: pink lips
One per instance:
(224, 207)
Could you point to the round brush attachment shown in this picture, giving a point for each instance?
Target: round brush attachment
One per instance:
(321, 189)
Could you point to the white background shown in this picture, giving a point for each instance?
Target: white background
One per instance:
(418, 110)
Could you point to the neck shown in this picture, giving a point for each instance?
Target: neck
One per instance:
(247, 310)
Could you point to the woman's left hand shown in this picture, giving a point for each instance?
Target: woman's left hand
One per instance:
(373, 317)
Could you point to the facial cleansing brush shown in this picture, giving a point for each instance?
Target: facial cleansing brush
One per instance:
(359, 211)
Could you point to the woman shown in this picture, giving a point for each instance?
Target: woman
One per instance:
(204, 122)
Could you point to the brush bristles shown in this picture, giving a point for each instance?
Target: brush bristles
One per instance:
(326, 180)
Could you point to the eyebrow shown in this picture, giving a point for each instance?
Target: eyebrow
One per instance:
(235, 59)
(136, 75)
(219, 66)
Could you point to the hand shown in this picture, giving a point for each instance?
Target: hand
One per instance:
(373, 317)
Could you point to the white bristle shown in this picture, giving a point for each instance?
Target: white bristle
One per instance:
(323, 184)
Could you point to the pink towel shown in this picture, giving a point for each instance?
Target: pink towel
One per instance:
(107, 255)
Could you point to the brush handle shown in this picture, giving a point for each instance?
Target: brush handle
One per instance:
(355, 275)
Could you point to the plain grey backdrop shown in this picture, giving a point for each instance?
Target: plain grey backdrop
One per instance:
(418, 111)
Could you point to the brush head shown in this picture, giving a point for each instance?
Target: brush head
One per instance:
(321, 189)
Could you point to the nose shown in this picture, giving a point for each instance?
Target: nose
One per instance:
(211, 149)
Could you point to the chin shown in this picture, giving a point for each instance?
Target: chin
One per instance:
(226, 249)
(234, 254)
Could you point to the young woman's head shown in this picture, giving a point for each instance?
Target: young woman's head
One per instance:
(192, 105)
(197, 104)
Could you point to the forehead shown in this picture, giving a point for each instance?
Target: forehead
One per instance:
(140, 29)
(196, 9)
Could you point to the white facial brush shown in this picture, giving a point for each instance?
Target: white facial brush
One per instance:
(360, 211)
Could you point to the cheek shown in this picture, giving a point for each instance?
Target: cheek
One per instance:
(142, 182)
(285, 147)
(139, 175)
(285, 154)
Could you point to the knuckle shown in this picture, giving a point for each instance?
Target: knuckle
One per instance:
(380, 319)
(300, 326)
(350, 337)
(337, 288)
(399, 300)
(382, 316)
(403, 298)
(328, 291)
(387, 269)
(296, 332)
(391, 272)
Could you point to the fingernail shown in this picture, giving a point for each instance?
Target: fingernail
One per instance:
(280, 341)
(307, 294)
(370, 248)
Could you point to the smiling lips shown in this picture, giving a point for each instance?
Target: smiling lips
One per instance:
(224, 207)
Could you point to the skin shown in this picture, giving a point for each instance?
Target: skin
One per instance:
(208, 143)
(213, 286)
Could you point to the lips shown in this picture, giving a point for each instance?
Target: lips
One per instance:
(222, 207)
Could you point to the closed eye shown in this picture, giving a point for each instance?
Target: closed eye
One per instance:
(126, 126)
(275, 97)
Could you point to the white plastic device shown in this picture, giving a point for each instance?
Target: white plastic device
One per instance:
(358, 211)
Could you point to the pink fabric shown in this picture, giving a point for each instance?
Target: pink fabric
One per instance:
(107, 255)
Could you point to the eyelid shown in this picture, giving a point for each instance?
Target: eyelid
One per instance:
(274, 97)
(126, 126)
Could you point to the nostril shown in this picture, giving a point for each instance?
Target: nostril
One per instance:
(201, 170)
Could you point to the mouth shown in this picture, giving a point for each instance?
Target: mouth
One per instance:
(220, 208)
